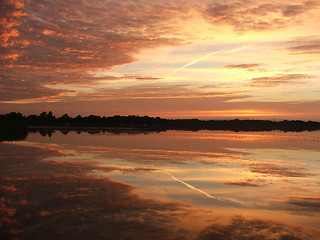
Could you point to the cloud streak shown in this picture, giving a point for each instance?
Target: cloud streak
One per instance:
(299, 203)
(240, 183)
(279, 80)
(304, 46)
(278, 170)
(242, 66)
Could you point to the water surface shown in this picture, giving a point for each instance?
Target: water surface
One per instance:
(168, 185)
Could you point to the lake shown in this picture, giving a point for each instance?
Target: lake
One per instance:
(166, 185)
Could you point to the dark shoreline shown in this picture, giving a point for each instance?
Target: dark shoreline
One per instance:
(80, 128)
(16, 126)
(189, 125)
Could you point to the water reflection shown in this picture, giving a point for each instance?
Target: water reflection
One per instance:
(172, 185)
(46, 131)
(59, 200)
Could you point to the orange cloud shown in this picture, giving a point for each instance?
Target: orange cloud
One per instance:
(99, 35)
(57, 42)
(48, 32)
(11, 12)
(16, 3)
(12, 56)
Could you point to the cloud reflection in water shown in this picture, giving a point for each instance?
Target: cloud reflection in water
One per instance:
(117, 187)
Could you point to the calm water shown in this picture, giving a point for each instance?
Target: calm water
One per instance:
(170, 185)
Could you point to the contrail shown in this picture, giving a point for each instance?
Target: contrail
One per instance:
(226, 201)
(194, 61)
(204, 57)
(193, 188)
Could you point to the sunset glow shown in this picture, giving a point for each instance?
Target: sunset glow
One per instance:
(206, 59)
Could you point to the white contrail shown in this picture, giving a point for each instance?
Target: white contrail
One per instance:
(194, 61)
(192, 187)
(226, 201)
(204, 57)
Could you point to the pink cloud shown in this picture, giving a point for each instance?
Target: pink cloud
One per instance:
(47, 43)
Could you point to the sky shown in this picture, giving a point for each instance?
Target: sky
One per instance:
(207, 59)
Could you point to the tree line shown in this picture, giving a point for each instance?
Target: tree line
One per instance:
(49, 119)
(156, 123)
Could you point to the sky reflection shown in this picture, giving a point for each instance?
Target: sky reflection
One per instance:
(157, 185)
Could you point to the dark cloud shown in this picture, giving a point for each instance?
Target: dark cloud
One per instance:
(281, 79)
(146, 78)
(241, 228)
(28, 83)
(297, 204)
(34, 93)
(249, 182)
(244, 184)
(129, 76)
(257, 16)
(310, 46)
(298, 9)
(293, 10)
(24, 87)
(242, 66)
(278, 170)
(303, 189)
(306, 203)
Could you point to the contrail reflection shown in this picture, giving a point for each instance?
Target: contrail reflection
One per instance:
(225, 201)
(192, 187)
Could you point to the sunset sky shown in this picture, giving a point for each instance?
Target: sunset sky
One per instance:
(208, 59)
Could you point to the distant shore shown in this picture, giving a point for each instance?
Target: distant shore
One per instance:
(16, 123)
(80, 128)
